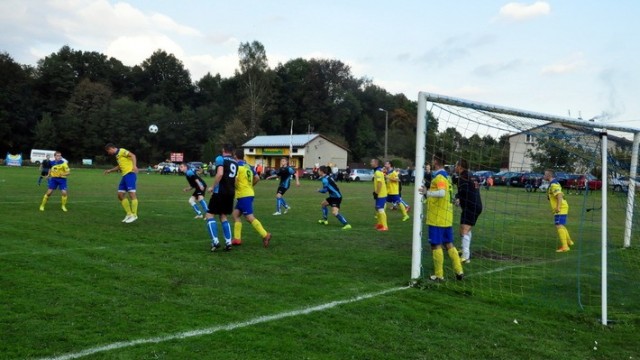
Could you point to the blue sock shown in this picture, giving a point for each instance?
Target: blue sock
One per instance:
(226, 230)
(212, 228)
(195, 208)
(325, 212)
(341, 219)
(284, 203)
(204, 205)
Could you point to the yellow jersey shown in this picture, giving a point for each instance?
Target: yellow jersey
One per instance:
(124, 161)
(393, 183)
(244, 180)
(554, 189)
(59, 169)
(378, 178)
(440, 210)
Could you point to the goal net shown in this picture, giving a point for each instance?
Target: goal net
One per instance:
(514, 242)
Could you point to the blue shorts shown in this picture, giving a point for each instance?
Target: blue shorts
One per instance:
(57, 183)
(128, 183)
(380, 202)
(393, 199)
(440, 235)
(560, 219)
(245, 205)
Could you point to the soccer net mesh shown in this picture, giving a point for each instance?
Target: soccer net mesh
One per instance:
(513, 246)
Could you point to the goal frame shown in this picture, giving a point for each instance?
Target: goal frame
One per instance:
(420, 161)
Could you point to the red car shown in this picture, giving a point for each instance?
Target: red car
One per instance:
(580, 182)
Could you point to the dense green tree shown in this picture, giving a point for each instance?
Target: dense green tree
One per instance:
(163, 80)
(17, 106)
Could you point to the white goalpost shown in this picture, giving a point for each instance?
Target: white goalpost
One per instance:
(464, 128)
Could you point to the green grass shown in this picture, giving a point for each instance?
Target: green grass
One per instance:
(80, 280)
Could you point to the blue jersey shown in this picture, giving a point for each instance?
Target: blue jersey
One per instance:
(285, 174)
(193, 178)
(329, 186)
(227, 184)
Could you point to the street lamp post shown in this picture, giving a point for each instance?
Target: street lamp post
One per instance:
(386, 131)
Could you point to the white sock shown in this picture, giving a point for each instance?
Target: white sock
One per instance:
(466, 243)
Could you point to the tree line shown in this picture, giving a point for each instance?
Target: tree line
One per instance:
(76, 101)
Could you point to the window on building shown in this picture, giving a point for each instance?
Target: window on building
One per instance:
(530, 139)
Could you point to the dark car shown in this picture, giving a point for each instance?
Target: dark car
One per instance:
(503, 177)
(406, 177)
(514, 179)
(532, 181)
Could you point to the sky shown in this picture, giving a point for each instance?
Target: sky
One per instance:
(577, 58)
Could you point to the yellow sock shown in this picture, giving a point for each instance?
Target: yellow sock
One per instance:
(64, 200)
(44, 201)
(455, 258)
(125, 205)
(438, 262)
(134, 206)
(258, 226)
(237, 230)
(383, 218)
(562, 234)
(403, 209)
(569, 241)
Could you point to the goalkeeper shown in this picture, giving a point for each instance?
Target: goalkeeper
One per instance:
(560, 209)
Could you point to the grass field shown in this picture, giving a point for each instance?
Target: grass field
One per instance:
(82, 284)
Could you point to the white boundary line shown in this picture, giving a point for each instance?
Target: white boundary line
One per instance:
(215, 329)
(258, 320)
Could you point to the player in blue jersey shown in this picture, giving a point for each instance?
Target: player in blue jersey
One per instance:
(285, 173)
(334, 200)
(57, 174)
(223, 192)
(199, 187)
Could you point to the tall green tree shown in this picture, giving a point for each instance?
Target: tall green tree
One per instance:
(255, 79)
(163, 80)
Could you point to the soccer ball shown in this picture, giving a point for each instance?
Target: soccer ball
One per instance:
(153, 128)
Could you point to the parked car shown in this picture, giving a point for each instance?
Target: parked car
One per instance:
(514, 179)
(361, 175)
(584, 182)
(532, 181)
(308, 173)
(406, 176)
(502, 177)
(620, 184)
(167, 168)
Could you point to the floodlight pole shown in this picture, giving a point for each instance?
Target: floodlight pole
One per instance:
(386, 131)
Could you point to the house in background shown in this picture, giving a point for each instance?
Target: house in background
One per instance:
(307, 151)
(522, 143)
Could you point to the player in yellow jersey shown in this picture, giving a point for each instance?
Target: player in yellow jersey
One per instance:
(246, 178)
(127, 164)
(440, 220)
(560, 209)
(393, 189)
(379, 195)
(57, 180)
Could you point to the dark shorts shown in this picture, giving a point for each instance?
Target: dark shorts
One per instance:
(199, 192)
(281, 190)
(221, 204)
(44, 172)
(334, 202)
(470, 216)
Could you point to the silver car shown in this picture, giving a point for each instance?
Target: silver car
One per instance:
(361, 175)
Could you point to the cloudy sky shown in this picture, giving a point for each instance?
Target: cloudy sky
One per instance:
(568, 57)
